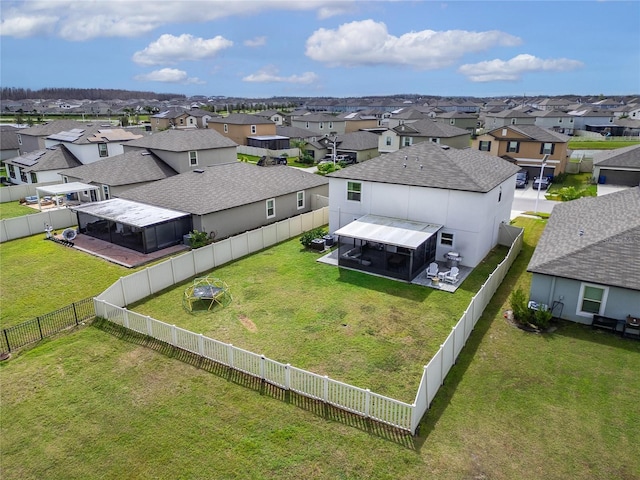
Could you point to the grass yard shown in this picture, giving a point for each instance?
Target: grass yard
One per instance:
(369, 331)
(586, 143)
(38, 276)
(579, 181)
(14, 209)
(516, 405)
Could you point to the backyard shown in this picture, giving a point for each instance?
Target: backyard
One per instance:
(95, 404)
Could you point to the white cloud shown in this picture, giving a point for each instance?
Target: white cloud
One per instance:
(169, 49)
(369, 43)
(168, 75)
(512, 70)
(83, 20)
(256, 42)
(269, 74)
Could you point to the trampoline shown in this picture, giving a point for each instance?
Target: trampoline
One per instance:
(206, 291)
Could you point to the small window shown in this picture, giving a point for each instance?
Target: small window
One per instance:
(307, 125)
(446, 239)
(225, 127)
(65, 179)
(102, 150)
(504, 132)
(321, 125)
(388, 141)
(330, 125)
(105, 192)
(354, 191)
(514, 147)
(191, 121)
(485, 145)
(12, 172)
(593, 299)
(407, 141)
(19, 139)
(23, 176)
(271, 208)
(300, 200)
(452, 121)
(182, 121)
(34, 178)
(559, 120)
(253, 129)
(193, 158)
(513, 121)
(547, 148)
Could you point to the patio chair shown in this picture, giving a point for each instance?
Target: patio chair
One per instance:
(452, 275)
(432, 271)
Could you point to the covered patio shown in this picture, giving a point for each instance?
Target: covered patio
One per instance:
(391, 247)
(64, 194)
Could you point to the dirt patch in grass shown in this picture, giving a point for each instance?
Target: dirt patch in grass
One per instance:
(247, 323)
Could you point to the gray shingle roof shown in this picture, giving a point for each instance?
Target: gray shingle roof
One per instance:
(431, 128)
(627, 157)
(534, 132)
(135, 166)
(183, 140)
(593, 239)
(242, 119)
(358, 141)
(49, 128)
(57, 157)
(221, 187)
(453, 169)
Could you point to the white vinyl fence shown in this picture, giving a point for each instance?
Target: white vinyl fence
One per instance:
(126, 290)
(27, 225)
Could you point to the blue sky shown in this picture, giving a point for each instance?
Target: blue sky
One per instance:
(324, 48)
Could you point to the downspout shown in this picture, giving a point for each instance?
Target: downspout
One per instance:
(552, 291)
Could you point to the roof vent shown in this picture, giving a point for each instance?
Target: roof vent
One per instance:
(445, 147)
(404, 165)
(420, 167)
(198, 170)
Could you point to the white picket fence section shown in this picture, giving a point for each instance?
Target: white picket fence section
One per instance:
(110, 305)
(150, 280)
(27, 225)
(347, 397)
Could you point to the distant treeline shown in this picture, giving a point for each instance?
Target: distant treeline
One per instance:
(11, 93)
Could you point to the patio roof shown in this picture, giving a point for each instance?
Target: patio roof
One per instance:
(63, 188)
(129, 213)
(390, 231)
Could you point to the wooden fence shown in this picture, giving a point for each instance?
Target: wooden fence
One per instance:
(110, 305)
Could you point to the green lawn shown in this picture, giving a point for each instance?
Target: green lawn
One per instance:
(369, 331)
(584, 143)
(14, 209)
(516, 405)
(579, 181)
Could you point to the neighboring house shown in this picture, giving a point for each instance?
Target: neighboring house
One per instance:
(592, 120)
(33, 138)
(40, 166)
(355, 121)
(228, 199)
(555, 120)
(273, 115)
(180, 118)
(466, 121)
(114, 175)
(9, 146)
(312, 147)
(239, 126)
(618, 167)
(408, 115)
(364, 145)
(425, 130)
(185, 150)
(504, 118)
(90, 143)
(321, 123)
(527, 145)
(551, 104)
(457, 200)
(586, 262)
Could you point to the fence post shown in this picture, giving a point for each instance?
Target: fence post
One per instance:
(287, 376)
(442, 365)
(75, 314)
(262, 367)
(325, 392)
(230, 355)
(125, 318)
(201, 345)
(367, 403)
(40, 328)
(6, 337)
(174, 336)
(149, 326)
(124, 292)
(426, 386)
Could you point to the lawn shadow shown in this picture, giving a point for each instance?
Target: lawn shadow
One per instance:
(587, 333)
(390, 286)
(316, 407)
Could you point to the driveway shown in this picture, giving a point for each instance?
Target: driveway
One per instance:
(524, 200)
(604, 189)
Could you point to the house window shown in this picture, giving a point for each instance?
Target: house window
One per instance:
(271, 208)
(452, 122)
(446, 239)
(307, 125)
(513, 121)
(354, 191)
(193, 158)
(559, 120)
(514, 147)
(388, 141)
(65, 179)
(300, 199)
(592, 300)
(485, 145)
(504, 132)
(253, 129)
(182, 121)
(12, 172)
(105, 192)
(23, 176)
(321, 125)
(102, 150)
(34, 177)
(19, 139)
(191, 121)
(225, 128)
(407, 141)
(330, 125)
(547, 148)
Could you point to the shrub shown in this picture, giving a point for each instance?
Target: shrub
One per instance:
(570, 193)
(198, 239)
(309, 236)
(541, 318)
(325, 168)
(521, 312)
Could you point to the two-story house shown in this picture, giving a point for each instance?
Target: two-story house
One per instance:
(355, 121)
(180, 118)
(239, 126)
(33, 138)
(425, 130)
(503, 118)
(466, 121)
(527, 146)
(321, 123)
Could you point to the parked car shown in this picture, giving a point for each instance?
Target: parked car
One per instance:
(541, 183)
(346, 159)
(266, 161)
(522, 179)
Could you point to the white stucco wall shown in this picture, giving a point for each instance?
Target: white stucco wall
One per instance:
(88, 153)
